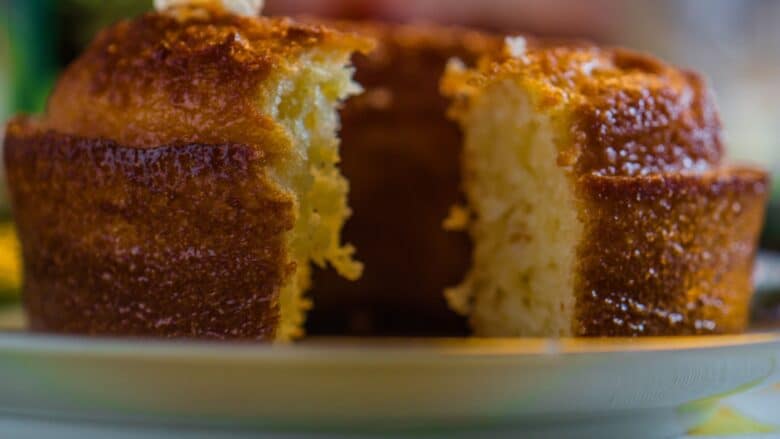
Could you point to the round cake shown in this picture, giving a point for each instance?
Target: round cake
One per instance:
(184, 181)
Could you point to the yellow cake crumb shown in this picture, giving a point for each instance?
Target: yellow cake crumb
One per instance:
(458, 218)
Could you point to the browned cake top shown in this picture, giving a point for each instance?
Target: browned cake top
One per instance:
(448, 41)
(404, 69)
(628, 113)
(194, 75)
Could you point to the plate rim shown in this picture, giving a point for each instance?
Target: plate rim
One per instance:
(341, 348)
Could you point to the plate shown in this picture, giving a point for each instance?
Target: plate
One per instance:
(653, 387)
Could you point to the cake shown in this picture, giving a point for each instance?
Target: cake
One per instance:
(401, 154)
(598, 200)
(184, 179)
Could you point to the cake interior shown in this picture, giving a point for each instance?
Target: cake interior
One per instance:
(304, 99)
(524, 221)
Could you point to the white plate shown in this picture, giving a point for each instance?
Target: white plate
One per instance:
(80, 388)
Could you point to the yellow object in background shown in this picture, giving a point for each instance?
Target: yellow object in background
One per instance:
(10, 262)
(729, 422)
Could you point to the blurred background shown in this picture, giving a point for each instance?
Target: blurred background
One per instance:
(734, 42)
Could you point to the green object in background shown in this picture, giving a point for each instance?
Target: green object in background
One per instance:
(771, 238)
(44, 36)
(33, 67)
(94, 15)
(5, 64)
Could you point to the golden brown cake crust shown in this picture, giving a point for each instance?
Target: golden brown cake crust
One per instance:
(178, 241)
(401, 156)
(145, 196)
(670, 233)
(193, 77)
(628, 113)
(669, 254)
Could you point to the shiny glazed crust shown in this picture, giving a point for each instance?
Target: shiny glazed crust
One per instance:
(626, 113)
(401, 155)
(668, 254)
